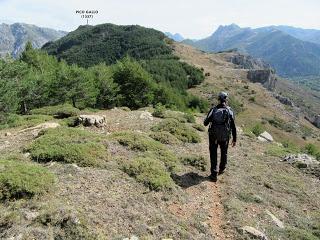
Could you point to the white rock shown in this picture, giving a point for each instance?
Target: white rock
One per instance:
(266, 136)
(254, 232)
(146, 115)
(275, 219)
(92, 120)
(261, 139)
(8, 134)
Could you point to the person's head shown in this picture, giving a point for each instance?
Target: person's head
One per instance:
(223, 97)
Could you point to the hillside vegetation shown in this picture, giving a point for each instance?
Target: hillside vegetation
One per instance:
(143, 173)
(143, 72)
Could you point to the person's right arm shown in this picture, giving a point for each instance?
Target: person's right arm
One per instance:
(208, 118)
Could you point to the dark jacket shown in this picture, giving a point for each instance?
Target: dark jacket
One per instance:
(208, 119)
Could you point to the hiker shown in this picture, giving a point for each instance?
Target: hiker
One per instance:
(221, 120)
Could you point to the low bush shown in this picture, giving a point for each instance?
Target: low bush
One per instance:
(179, 130)
(14, 120)
(189, 117)
(164, 137)
(280, 124)
(198, 162)
(150, 172)
(159, 111)
(312, 150)
(23, 180)
(140, 142)
(69, 145)
(58, 111)
(236, 105)
(257, 129)
(198, 127)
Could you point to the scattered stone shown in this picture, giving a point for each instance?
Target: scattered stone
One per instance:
(266, 136)
(146, 115)
(26, 155)
(254, 232)
(303, 159)
(8, 134)
(92, 120)
(275, 219)
(131, 238)
(30, 215)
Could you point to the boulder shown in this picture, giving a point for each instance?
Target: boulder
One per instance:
(7, 134)
(267, 136)
(146, 116)
(92, 120)
(254, 232)
(248, 62)
(275, 219)
(261, 139)
(316, 121)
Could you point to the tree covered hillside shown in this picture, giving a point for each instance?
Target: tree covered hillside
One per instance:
(99, 67)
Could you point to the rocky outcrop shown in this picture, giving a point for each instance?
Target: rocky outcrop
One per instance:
(266, 77)
(284, 100)
(316, 121)
(247, 62)
(13, 38)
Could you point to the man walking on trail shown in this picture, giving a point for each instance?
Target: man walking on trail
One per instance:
(221, 120)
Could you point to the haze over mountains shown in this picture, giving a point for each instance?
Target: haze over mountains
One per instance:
(291, 51)
(14, 37)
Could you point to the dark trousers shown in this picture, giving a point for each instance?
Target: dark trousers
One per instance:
(213, 147)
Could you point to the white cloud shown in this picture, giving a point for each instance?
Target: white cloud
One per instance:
(191, 18)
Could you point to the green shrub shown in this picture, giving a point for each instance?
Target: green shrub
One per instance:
(198, 127)
(159, 111)
(280, 124)
(236, 106)
(14, 120)
(300, 234)
(198, 162)
(252, 99)
(312, 150)
(140, 142)
(69, 145)
(164, 137)
(179, 130)
(150, 172)
(23, 180)
(189, 117)
(257, 129)
(281, 151)
(58, 111)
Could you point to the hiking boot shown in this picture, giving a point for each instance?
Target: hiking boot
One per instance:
(221, 172)
(213, 177)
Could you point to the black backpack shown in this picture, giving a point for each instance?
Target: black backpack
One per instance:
(220, 124)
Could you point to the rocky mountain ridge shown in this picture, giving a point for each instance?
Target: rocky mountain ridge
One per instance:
(14, 37)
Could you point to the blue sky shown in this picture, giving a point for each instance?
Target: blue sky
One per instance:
(191, 18)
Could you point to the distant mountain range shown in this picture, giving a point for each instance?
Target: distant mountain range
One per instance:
(14, 37)
(177, 36)
(291, 51)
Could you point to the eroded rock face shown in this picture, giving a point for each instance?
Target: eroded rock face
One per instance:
(266, 77)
